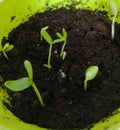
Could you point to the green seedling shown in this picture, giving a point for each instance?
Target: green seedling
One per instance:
(25, 82)
(63, 38)
(114, 12)
(90, 74)
(50, 41)
(6, 48)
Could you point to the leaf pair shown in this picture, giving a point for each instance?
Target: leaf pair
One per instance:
(25, 82)
(48, 38)
(7, 47)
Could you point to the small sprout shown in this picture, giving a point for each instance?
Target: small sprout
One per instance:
(50, 41)
(25, 82)
(63, 37)
(114, 12)
(90, 74)
(48, 38)
(7, 47)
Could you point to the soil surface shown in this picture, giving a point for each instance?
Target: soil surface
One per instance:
(67, 104)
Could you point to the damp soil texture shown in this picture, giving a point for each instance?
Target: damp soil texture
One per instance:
(67, 104)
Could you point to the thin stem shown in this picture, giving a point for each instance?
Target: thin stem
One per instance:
(113, 27)
(4, 53)
(49, 56)
(38, 94)
(85, 85)
(63, 47)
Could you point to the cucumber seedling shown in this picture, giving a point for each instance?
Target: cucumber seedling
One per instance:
(114, 12)
(3, 49)
(50, 41)
(25, 82)
(90, 74)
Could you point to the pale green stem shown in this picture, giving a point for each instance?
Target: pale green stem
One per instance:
(85, 85)
(113, 27)
(38, 94)
(4, 53)
(49, 56)
(63, 47)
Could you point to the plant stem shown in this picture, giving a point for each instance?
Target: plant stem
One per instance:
(38, 94)
(113, 27)
(49, 56)
(63, 47)
(85, 85)
(5, 55)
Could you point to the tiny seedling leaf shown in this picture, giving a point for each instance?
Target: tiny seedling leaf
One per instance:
(58, 40)
(28, 67)
(90, 74)
(59, 35)
(19, 84)
(64, 33)
(46, 35)
(7, 47)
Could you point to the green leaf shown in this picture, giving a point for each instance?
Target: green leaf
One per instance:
(19, 84)
(58, 40)
(64, 33)
(59, 35)
(7, 47)
(90, 74)
(113, 8)
(28, 67)
(46, 35)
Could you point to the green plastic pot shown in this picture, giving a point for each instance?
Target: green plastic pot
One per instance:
(21, 10)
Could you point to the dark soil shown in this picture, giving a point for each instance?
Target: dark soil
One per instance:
(67, 104)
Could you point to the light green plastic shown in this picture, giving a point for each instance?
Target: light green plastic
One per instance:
(110, 123)
(14, 12)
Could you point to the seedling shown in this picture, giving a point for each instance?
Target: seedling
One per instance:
(63, 37)
(50, 41)
(25, 82)
(3, 49)
(114, 12)
(90, 74)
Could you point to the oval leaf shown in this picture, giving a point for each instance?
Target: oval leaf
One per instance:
(64, 33)
(18, 85)
(91, 72)
(28, 67)
(59, 35)
(58, 40)
(46, 35)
